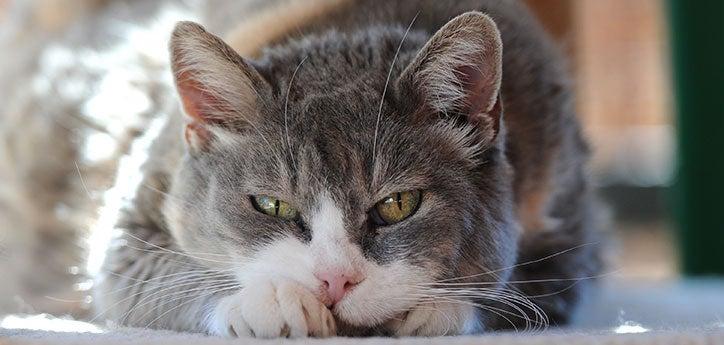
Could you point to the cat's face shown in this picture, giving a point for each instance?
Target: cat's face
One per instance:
(365, 202)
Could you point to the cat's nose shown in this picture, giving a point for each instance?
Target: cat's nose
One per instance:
(336, 283)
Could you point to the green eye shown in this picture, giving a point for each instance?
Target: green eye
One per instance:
(397, 207)
(274, 207)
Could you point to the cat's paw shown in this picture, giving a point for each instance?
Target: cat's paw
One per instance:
(432, 319)
(270, 310)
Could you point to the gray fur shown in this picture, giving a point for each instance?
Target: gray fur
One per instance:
(329, 131)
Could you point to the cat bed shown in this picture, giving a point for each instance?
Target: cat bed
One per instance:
(620, 312)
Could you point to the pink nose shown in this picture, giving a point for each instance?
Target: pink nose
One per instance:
(337, 284)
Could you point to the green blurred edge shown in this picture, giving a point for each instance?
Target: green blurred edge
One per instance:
(697, 43)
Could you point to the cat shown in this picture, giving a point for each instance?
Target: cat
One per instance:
(405, 168)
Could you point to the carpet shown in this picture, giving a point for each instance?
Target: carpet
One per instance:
(679, 312)
(141, 336)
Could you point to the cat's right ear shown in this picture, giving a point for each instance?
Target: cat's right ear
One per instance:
(458, 74)
(218, 89)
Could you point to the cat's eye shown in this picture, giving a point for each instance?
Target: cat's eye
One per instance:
(396, 207)
(274, 207)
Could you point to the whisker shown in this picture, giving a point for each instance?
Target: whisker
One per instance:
(540, 323)
(189, 301)
(164, 256)
(155, 293)
(82, 181)
(558, 291)
(178, 295)
(490, 296)
(384, 90)
(184, 274)
(496, 311)
(173, 251)
(286, 108)
(509, 298)
(178, 282)
(549, 280)
(485, 307)
(523, 263)
(169, 197)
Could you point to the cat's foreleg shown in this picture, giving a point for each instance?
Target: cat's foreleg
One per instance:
(147, 282)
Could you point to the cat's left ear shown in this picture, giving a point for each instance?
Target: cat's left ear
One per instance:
(458, 73)
(218, 89)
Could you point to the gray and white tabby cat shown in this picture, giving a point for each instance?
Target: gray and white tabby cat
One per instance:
(360, 177)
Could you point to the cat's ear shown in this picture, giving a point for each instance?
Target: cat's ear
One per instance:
(218, 89)
(458, 73)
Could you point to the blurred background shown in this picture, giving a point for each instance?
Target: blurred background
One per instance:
(83, 80)
(619, 53)
(646, 73)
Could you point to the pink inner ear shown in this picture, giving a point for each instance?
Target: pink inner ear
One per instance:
(479, 90)
(482, 99)
(197, 103)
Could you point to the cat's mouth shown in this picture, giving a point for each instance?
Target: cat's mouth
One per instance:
(364, 308)
(387, 292)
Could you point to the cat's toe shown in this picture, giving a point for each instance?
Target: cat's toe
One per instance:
(292, 309)
(320, 320)
(271, 310)
(227, 320)
(251, 312)
(262, 312)
(237, 327)
(303, 312)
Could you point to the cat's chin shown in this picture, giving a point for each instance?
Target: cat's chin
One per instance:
(363, 317)
(362, 310)
(383, 295)
(428, 319)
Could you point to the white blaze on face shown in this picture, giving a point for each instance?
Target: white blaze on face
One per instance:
(331, 246)
(383, 291)
(330, 250)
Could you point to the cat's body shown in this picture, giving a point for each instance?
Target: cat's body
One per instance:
(306, 123)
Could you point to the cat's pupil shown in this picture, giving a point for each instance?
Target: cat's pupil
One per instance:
(399, 201)
(276, 207)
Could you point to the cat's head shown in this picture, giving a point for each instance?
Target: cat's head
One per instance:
(365, 166)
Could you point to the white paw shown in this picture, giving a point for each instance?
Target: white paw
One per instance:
(432, 319)
(272, 309)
